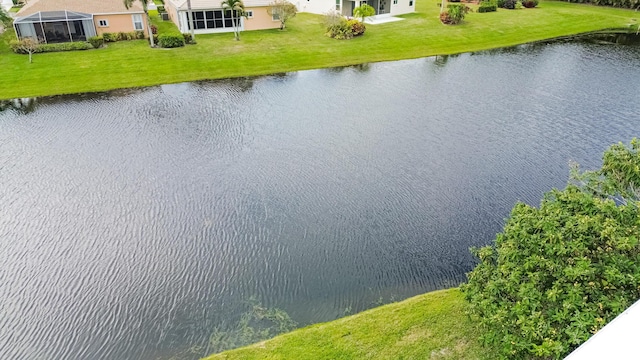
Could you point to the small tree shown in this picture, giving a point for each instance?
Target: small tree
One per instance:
(5, 19)
(364, 11)
(559, 273)
(26, 46)
(237, 10)
(282, 10)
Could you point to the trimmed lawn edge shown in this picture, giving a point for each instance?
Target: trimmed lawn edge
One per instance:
(428, 325)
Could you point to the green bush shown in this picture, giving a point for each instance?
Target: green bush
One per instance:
(160, 9)
(42, 48)
(487, 6)
(559, 273)
(188, 39)
(455, 14)
(337, 27)
(500, 3)
(110, 37)
(509, 4)
(138, 35)
(96, 41)
(171, 40)
(530, 3)
(68, 46)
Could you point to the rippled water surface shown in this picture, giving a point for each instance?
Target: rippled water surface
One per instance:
(135, 222)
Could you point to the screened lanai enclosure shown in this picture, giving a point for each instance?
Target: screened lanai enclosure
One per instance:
(55, 26)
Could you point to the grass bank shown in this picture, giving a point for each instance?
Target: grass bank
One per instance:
(428, 326)
(302, 46)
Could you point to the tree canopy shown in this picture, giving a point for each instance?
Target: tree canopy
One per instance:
(558, 273)
(282, 10)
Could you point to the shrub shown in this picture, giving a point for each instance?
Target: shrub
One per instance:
(509, 4)
(68, 46)
(337, 26)
(154, 29)
(500, 3)
(161, 9)
(559, 273)
(455, 14)
(138, 34)
(110, 37)
(188, 39)
(530, 3)
(171, 40)
(357, 27)
(487, 6)
(96, 41)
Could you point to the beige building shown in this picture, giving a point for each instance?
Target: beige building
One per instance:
(54, 21)
(209, 16)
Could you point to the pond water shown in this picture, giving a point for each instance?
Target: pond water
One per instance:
(134, 223)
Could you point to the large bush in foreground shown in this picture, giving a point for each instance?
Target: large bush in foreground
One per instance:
(560, 272)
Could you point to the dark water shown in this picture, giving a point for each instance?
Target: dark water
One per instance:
(133, 223)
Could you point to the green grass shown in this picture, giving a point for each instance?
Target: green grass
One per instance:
(302, 46)
(431, 325)
(164, 27)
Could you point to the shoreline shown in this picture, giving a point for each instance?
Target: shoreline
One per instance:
(303, 46)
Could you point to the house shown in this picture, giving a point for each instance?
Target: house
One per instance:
(345, 7)
(209, 16)
(53, 21)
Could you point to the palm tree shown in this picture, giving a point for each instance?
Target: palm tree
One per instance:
(129, 3)
(237, 10)
(364, 11)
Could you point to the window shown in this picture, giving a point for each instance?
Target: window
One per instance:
(338, 5)
(410, 2)
(137, 22)
(275, 17)
(395, 2)
(103, 23)
(249, 14)
(213, 19)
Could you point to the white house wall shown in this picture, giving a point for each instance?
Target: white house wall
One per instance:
(315, 6)
(403, 7)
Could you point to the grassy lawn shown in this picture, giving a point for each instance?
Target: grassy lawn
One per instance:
(428, 326)
(302, 46)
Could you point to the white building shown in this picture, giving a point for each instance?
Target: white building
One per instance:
(345, 7)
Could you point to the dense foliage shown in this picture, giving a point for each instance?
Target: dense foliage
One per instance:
(19, 46)
(529, 3)
(123, 36)
(628, 4)
(455, 14)
(171, 40)
(559, 273)
(487, 6)
(338, 27)
(96, 41)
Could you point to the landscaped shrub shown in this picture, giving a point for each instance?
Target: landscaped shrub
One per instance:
(509, 4)
(171, 40)
(455, 14)
(96, 41)
(161, 9)
(138, 34)
(558, 273)
(500, 3)
(188, 39)
(530, 3)
(110, 37)
(68, 46)
(154, 29)
(337, 26)
(357, 27)
(487, 6)
(125, 36)
(42, 48)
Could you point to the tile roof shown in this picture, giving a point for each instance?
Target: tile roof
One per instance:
(84, 6)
